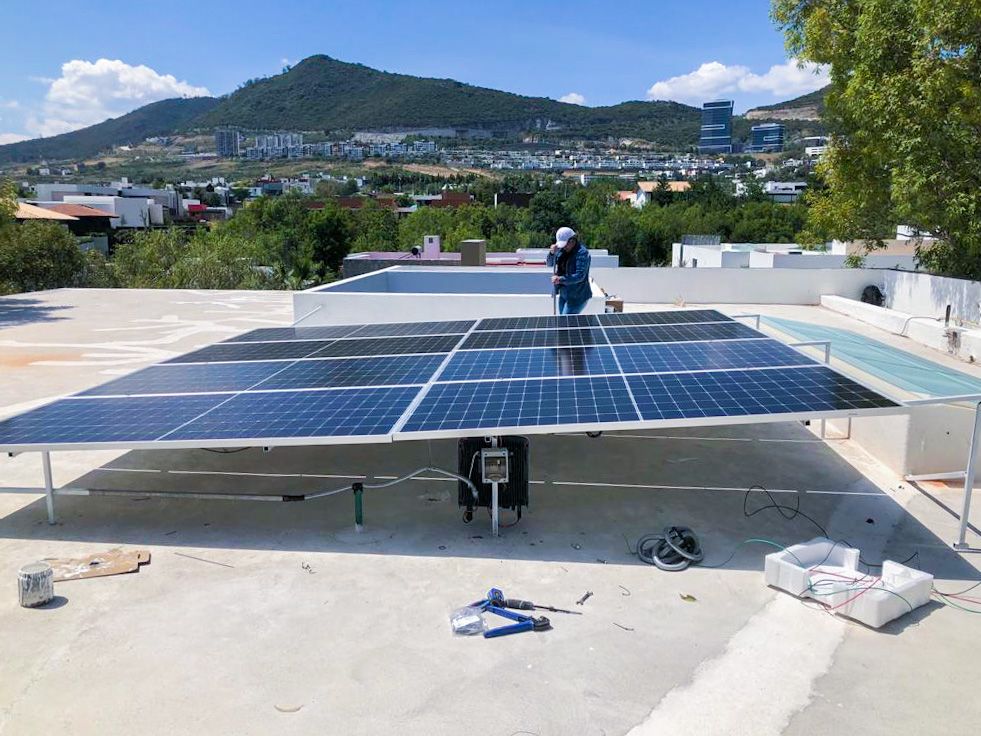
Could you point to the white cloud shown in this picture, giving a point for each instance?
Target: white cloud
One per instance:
(88, 92)
(6, 138)
(714, 79)
(10, 105)
(573, 98)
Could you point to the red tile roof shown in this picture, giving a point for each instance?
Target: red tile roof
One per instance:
(77, 210)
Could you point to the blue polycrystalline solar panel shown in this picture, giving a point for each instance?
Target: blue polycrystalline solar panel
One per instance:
(667, 317)
(680, 333)
(491, 405)
(479, 365)
(139, 419)
(246, 351)
(284, 414)
(750, 392)
(696, 356)
(414, 328)
(189, 379)
(389, 346)
(389, 371)
(534, 339)
(538, 323)
(276, 334)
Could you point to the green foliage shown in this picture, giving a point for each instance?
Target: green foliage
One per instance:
(904, 109)
(375, 228)
(38, 255)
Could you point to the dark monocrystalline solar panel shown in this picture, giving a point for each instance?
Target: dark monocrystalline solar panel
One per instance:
(489, 405)
(667, 317)
(139, 419)
(189, 379)
(545, 363)
(749, 392)
(390, 346)
(275, 334)
(538, 323)
(680, 333)
(695, 356)
(534, 339)
(390, 371)
(333, 413)
(414, 328)
(234, 352)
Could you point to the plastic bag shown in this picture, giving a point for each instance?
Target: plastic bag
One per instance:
(468, 621)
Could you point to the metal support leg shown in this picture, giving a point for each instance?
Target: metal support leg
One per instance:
(358, 508)
(48, 486)
(961, 542)
(495, 514)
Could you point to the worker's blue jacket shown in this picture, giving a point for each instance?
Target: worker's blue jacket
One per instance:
(575, 283)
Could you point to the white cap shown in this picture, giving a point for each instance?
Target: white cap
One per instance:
(563, 235)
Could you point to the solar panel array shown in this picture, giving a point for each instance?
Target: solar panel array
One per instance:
(379, 382)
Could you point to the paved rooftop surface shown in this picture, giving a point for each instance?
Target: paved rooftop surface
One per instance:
(254, 618)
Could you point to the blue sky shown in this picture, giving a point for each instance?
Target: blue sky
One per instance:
(71, 64)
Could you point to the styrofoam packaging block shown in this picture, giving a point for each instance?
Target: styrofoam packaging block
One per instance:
(789, 569)
(828, 572)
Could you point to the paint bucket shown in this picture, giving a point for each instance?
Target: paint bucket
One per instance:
(35, 584)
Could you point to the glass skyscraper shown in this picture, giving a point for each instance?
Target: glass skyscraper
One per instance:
(766, 137)
(716, 133)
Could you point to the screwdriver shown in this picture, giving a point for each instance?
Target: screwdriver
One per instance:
(521, 605)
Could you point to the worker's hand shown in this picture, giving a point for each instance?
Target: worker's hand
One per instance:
(552, 248)
(556, 280)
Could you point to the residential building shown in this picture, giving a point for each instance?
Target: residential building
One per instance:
(815, 146)
(645, 190)
(169, 199)
(766, 138)
(784, 192)
(716, 131)
(124, 212)
(227, 143)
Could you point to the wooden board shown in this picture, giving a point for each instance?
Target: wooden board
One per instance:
(111, 562)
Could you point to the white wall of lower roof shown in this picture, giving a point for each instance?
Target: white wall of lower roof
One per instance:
(734, 285)
(922, 294)
(826, 260)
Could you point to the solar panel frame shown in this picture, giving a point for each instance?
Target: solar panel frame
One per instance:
(701, 331)
(666, 317)
(292, 334)
(546, 338)
(452, 345)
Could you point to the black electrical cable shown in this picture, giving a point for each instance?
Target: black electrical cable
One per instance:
(222, 451)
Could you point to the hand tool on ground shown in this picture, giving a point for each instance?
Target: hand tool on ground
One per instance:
(585, 597)
(497, 598)
(494, 603)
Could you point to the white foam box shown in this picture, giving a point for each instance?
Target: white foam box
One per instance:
(828, 572)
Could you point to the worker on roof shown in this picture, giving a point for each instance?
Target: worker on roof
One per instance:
(569, 260)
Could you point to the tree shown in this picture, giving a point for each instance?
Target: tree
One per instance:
(38, 255)
(904, 112)
(331, 230)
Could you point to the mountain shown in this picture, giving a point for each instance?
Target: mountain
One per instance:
(805, 107)
(157, 118)
(324, 94)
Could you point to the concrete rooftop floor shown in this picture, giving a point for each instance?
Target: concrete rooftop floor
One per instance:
(242, 638)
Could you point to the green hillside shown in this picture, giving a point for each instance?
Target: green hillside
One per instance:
(157, 118)
(811, 99)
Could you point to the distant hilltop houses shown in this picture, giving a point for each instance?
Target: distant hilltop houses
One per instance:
(232, 144)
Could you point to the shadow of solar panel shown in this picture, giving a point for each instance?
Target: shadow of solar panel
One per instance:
(694, 356)
(189, 379)
(667, 317)
(389, 346)
(284, 414)
(276, 334)
(137, 419)
(538, 323)
(387, 371)
(492, 405)
(544, 363)
(245, 351)
(738, 393)
(414, 328)
(680, 333)
(574, 337)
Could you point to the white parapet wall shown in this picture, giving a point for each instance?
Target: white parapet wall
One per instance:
(734, 285)
(922, 294)
(425, 294)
